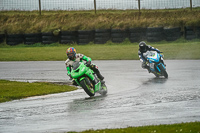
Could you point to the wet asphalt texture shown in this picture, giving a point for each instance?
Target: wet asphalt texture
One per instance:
(135, 97)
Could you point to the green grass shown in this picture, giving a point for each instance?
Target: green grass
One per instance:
(31, 22)
(180, 49)
(191, 127)
(12, 90)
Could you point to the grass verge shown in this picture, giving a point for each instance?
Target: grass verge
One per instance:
(191, 127)
(12, 90)
(30, 22)
(180, 49)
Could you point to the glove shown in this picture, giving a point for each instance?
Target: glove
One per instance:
(88, 63)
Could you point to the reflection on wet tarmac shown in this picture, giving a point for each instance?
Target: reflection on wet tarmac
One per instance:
(135, 98)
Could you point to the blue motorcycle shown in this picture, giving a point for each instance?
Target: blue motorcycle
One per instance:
(155, 64)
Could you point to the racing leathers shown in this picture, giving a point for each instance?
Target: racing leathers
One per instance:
(142, 57)
(80, 58)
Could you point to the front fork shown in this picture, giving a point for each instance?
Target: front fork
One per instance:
(161, 63)
(159, 68)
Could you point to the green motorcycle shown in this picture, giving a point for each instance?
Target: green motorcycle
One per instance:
(87, 79)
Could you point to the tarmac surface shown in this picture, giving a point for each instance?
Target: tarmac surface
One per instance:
(135, 97)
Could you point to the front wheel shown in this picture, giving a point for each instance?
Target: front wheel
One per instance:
(87, 86)
(163, 71)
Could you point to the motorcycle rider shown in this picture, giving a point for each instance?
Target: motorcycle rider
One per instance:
(143, 48)
(73, 56)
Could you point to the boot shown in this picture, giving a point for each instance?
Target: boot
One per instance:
(148, 68)
(96, 70)
(95, 81)
(99, 75)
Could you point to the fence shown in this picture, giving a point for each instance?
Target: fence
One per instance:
(100, 36)
(74, 5)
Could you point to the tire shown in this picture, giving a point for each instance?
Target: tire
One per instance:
(15, 35)
(188, 28)
(32, 38)
(136, 30)
(171, 38)
(155, 34)
(198, 32)
(85, 36)
(33, 35)
(86, 85)
(189, 33)
(172, 34)
(68, 37)
(83, 41)
(18, 40)
(2, 38)
(69, 33)
(172, 30)
(137, 34)
(157, 76)
(101, 36)
(14, 39)
(47, 42)
(163, 71)
(104, 90)
(100, 41)
(117, 40)
(102, 31)
(153, 39)
(12, 43)
(155, 29)
(117, 35)
(48, 38)
(67, 42)
(190, 37)
(132, 40)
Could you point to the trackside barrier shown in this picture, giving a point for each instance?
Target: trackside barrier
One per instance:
(101, 36)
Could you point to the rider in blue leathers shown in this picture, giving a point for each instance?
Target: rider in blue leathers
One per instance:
(143, 48)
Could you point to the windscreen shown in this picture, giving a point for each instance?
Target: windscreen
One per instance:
(76, 65)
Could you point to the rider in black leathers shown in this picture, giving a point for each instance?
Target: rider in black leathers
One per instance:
(143, 48)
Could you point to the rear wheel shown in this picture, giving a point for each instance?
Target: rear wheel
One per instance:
(87, 86)
(163, 71)
(156, 75)
(103, 90)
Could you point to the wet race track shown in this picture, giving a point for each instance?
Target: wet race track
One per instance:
(134, 98)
